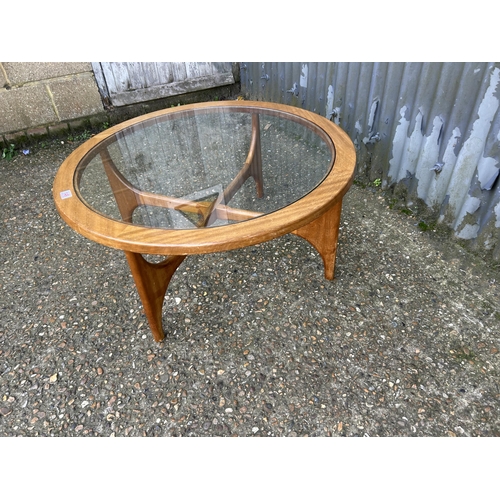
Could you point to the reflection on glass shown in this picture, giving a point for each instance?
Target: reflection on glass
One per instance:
(203, 168)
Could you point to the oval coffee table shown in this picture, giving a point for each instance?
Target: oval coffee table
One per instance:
(177, 182)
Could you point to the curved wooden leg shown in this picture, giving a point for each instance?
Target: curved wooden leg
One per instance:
(252, 166)
(256, 165)
(152, 282)
(322, 233)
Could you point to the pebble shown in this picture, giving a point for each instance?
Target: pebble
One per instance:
(4, 411)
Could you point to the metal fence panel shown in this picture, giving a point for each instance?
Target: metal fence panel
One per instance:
(431, 129)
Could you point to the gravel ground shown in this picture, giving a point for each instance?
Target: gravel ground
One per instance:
(404, 342)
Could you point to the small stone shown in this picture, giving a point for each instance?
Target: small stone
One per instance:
(255, 429)
(53, 378)
(5, 410)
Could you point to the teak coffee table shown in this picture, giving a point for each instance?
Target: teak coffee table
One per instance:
(177, 182)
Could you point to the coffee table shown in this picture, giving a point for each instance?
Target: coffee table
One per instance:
(203, 178)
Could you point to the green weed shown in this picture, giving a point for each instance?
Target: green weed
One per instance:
(423, 226)
(9, 152)
(82, 136)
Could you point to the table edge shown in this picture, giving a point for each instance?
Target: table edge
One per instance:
(160, 241)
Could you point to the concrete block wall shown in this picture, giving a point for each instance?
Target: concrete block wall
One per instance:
(40, 98)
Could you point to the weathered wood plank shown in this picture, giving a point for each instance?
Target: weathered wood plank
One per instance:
(172, 89)
(130, 83)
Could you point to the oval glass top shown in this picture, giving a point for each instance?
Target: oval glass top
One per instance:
(204, 168)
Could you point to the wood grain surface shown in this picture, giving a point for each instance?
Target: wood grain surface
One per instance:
(139, 239)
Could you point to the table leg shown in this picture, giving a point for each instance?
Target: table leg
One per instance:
(152, 282)
(322, 233)
(125, 195)
(252, 166)
(256, 168)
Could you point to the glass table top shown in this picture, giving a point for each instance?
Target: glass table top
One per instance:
(203, 168)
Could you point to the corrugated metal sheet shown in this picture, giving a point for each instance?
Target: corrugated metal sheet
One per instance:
(430, 130)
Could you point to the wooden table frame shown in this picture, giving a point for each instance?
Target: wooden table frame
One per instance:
(315, 217)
